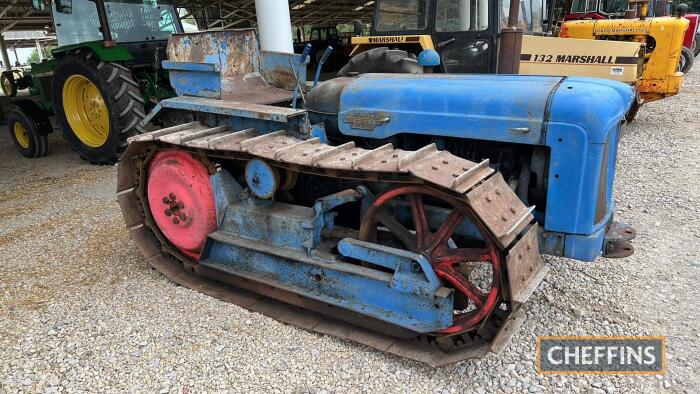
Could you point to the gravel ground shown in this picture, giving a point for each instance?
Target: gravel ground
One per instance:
(80, 311)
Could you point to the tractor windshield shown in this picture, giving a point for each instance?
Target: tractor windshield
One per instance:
(402, 15)
(613, 6)
(530, 16)
(141, 20)
(76, 21)
(601, 6)
(462, 15)
(584, 6)
(452, 15)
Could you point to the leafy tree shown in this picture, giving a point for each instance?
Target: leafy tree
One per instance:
(34, 56)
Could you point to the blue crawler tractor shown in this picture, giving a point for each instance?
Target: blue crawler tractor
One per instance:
(404, 212)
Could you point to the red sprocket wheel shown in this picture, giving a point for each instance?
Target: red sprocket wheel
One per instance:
(181, 200)
(452, 263)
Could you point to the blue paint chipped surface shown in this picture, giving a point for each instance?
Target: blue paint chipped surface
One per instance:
(280, 245)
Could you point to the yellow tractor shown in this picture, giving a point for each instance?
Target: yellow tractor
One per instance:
(662, 38)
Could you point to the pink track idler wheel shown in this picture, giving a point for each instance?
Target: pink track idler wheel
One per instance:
(181, 200)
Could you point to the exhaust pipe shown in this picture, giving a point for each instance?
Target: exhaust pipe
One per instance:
(511, 42)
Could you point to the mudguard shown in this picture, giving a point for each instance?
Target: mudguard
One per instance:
(111, 54)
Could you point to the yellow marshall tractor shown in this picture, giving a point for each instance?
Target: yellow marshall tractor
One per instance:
(662, 38)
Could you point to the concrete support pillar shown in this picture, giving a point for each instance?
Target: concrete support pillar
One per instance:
(483, 21)
(274, 25)
(465, 15)
(5, 57)
(38, 49)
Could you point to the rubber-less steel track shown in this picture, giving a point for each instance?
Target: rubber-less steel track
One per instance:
(501, 213)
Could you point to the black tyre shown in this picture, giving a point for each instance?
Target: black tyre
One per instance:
(98, 105)
(382, 60)
(632, 113)
(8, 83)
(685, 62)
(26, 135)
(696, 45)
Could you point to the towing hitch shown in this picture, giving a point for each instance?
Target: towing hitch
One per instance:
(617, 242)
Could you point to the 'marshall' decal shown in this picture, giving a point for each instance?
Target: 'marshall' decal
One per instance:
(585, 59)
(577, 59)
(391, 39)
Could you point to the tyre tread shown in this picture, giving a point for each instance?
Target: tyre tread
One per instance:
(125, 105)
(689, 59)
(38, 142)
(382, 59)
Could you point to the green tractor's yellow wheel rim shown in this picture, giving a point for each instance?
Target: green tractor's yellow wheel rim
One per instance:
(21, 135)
(6, 85)
(86, 111)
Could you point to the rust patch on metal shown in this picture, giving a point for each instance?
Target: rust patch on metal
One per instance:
(282, 77)
(500, 209)
(524, 267)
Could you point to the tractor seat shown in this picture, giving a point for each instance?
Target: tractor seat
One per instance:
(229, 65)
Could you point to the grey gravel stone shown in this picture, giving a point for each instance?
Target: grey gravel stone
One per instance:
(576, 312)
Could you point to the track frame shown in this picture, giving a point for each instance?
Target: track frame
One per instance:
(507, 221)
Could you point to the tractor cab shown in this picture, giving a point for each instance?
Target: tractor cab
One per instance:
(465, 33)
(140, 27)
(600, 9)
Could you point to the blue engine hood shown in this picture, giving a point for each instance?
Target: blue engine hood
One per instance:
(513, 108)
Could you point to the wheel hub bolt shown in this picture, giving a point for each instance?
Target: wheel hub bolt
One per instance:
(174, 208)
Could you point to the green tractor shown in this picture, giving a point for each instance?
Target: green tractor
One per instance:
(13, 80)
(103, 78)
